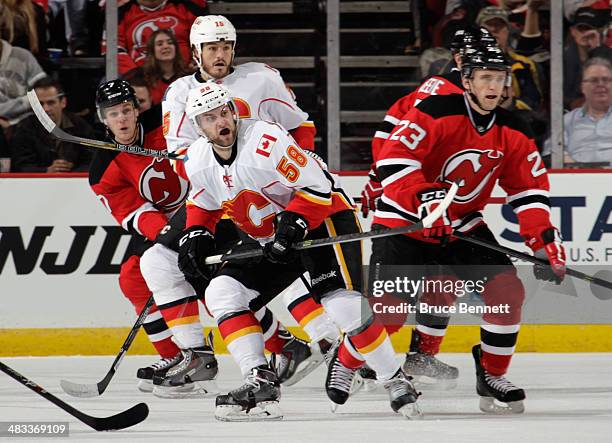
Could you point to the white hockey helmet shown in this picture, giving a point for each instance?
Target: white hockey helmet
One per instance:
(209, 29)
(207, 97)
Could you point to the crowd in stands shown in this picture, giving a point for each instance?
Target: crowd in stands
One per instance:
(153, 51)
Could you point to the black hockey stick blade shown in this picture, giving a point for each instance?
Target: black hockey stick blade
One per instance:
(377, 233)
(95, 390)
(61, 135)
(125, 419)
(530, 258)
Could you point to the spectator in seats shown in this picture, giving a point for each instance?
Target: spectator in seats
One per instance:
(163, 64)
(33, 149)
(75, 22)
(23, 24)
(143, 94)
(19, 70)
(525, 81)
(138, 19)
(588, 130)
(5, 153)
(586, 36)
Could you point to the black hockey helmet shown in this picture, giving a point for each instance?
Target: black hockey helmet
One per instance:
(113, 93)
(470, 37)
(484, 57)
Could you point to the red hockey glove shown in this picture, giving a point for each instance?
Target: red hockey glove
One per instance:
(431, 198)
(371, 193)
(554, 253)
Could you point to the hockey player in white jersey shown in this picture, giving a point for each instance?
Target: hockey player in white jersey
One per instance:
(258, 91)
(254, 171)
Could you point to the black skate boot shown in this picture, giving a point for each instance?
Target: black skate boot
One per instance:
(159, 368)
(368, 380)
(340, 379)
(491, 388)
(256, 400)
(297, 360)
(427, 370)
(193, 377)
(402, 394)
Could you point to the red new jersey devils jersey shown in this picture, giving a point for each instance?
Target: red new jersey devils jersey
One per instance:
(140, 192)
(438, 142)
(436, 85)
(136, 24)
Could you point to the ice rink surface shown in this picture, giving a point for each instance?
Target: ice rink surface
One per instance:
(569, 398)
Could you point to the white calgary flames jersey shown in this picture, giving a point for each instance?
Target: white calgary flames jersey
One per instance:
(257, 89)
(267, 174)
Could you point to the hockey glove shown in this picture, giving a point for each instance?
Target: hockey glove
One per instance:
(290, 228)
(554, 253)
(371, 193)
(195, 245)
(430, 198)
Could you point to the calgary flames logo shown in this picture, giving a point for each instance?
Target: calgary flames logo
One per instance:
(252, 213)
(471, 169)
(160, 185)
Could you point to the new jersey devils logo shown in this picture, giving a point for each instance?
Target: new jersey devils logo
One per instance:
(142, 33)
(471, 169)
(160, 185)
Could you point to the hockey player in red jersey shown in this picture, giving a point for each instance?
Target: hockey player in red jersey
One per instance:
(470, 140)
(443, 84)
(257, 88)
(141, 193)
(278, 195)
(421, 361)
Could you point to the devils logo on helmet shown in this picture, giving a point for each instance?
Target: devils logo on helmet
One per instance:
(160, 185)
(471, 169)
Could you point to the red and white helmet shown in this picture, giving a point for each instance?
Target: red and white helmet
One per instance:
(207, 97)
(209, 29)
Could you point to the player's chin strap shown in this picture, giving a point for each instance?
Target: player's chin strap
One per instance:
(377, 233)
(530, 258)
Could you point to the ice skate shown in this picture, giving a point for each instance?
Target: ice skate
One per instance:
(159, 368)
(297, 360)
(427, 370)
(403, 396)
(339, 379)
(497, 394)
(367, 383)
(256, 400)
(193, 377)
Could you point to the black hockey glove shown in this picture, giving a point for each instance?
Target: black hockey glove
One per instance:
(195, 245)
(290, 228)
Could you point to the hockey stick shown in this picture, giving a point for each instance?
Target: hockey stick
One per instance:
(377, 233)
(61, 135)
(85, 390)
(532, 259)
(124, 419)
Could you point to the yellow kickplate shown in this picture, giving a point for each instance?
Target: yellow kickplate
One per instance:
(108, 341)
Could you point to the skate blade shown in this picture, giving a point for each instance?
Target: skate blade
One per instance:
(334, 407)
(200, 389)
(357, 385)
(264, 411)
(305, 368)
(489, 405)
(411, 411)
(145, 385)
(434, 384)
